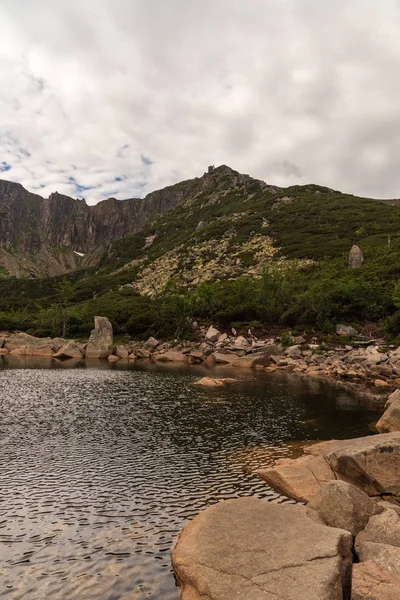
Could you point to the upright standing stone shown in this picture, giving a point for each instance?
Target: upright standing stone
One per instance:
(356, 258)
(100, 343)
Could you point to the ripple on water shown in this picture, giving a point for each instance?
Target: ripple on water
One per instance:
(100, 469)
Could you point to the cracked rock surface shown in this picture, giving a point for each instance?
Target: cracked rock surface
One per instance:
(252, 549)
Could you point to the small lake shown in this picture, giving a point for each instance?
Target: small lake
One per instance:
(101, 466)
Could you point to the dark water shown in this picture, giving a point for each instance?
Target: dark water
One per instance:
(101, 467)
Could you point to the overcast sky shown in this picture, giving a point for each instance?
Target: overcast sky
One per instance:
(104, 98)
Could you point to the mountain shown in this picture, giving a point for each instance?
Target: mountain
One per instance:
(222, 223)
(223, 247)
(42, 237)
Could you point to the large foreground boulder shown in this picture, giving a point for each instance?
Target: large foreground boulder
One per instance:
(100, 343)
(372, 582)
(250, 549)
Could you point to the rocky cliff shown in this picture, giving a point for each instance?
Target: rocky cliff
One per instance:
(42, 236)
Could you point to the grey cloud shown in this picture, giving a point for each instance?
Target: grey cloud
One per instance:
(126, 96)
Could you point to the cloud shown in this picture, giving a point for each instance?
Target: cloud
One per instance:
(121, 97)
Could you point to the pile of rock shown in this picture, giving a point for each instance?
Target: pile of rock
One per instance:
(344, 544)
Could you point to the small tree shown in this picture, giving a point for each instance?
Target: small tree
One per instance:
(65, 291)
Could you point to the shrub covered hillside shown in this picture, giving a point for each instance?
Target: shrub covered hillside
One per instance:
(235, 252)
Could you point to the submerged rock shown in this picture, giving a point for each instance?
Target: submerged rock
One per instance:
(252, 549)
(214, 382)
(100, 343)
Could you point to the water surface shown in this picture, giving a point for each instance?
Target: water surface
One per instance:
(102, 465)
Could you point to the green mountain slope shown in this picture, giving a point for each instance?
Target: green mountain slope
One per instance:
(233, 251)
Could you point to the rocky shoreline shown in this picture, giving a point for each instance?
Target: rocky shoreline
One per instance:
(343, 540)
(343, 543)
(369, 366)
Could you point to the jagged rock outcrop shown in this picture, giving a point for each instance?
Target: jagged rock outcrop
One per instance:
(252, 549)
(100, 344)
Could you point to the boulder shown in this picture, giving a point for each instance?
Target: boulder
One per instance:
(394, 396)
(371, 463)
(121, 352)
(225, 359)
(343, 505)
(380, 541)
(69, 350)
(171, 356)
(252, 549)
(23, 343)
(253, 361)
(390, 420)
(345, 330)
(299, 478)
(113, 358)
(293, 351)
(100, 343)
(196, 356)
(373, 582)
(356, 258)
(212, 334)
(272, 350)
(241, 343)
(151, 343)
(142, 353)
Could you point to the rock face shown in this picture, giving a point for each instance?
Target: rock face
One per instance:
(356, 258)
(390, 420)
(372, 582)
(32, 226)
(251, 549)
(342, 505)
(380, 541)
(100, 343)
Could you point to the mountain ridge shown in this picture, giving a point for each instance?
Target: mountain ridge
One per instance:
(42, 237)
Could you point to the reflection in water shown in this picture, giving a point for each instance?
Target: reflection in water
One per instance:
(101, 467)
